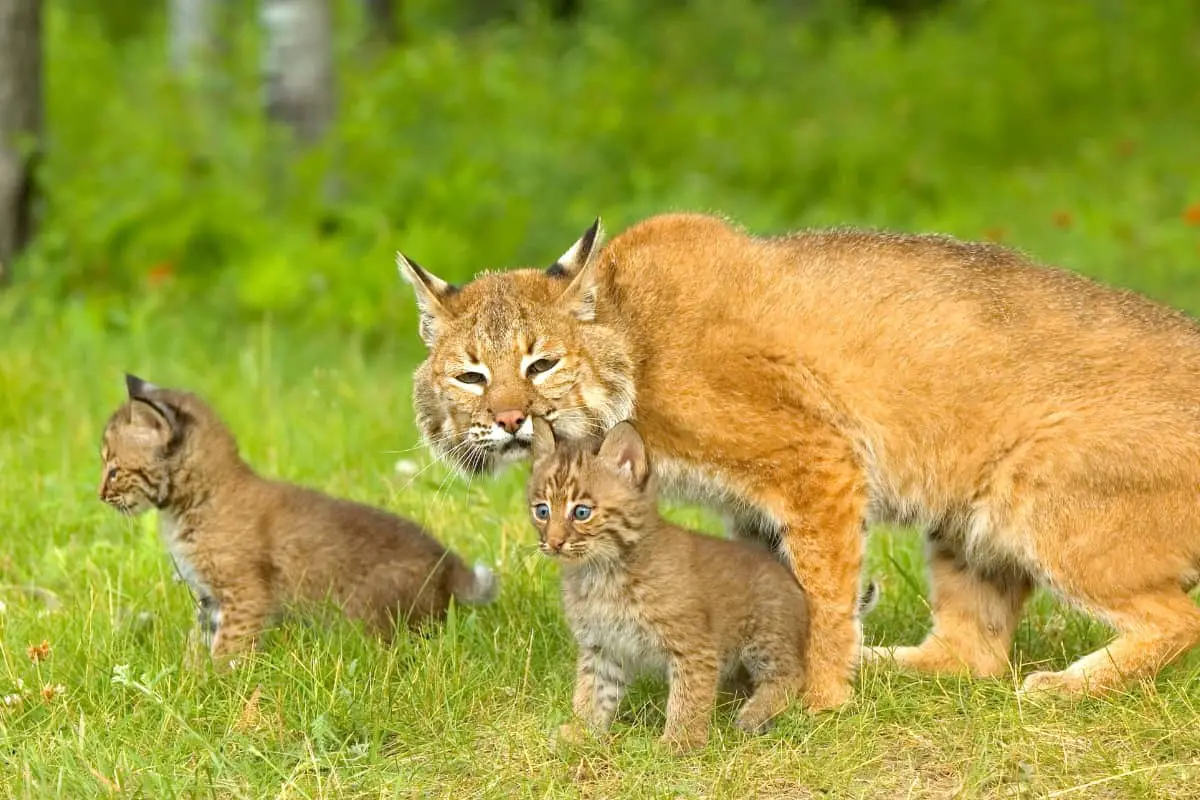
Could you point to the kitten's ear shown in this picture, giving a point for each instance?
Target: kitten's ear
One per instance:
(431, 291)
(543, 439)
(147, 409)
(579, 264)
(624, 450)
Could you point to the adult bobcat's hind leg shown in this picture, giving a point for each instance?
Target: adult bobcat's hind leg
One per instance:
(975, 615)
(1153, 629)
(1130, 557)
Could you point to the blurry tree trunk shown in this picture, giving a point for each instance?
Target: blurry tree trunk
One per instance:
(298, 65)
(192, 32)
(381, 20)
(20, 122)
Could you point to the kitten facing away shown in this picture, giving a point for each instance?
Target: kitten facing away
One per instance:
(252, 547)
(641, 594)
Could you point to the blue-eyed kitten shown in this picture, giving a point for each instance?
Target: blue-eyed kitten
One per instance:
(642, 594)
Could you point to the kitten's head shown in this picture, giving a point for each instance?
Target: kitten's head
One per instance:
(511, 346)
(149, 438)
(590, 501)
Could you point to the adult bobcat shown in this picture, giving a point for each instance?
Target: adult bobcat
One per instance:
(1045, 429)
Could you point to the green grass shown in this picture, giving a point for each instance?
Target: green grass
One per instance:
(466, 712)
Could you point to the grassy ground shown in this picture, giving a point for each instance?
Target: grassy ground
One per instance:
(465, 712)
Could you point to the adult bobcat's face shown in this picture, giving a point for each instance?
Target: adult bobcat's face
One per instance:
(511, 346)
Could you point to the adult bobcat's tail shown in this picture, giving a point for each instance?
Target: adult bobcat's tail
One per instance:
(474, 586)
(868, 599)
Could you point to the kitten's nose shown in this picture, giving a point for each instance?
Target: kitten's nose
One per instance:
(510, 420)
(554, 545)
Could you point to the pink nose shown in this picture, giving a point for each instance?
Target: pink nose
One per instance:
(510, 420)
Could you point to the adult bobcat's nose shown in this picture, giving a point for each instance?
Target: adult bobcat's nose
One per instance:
(510, 420)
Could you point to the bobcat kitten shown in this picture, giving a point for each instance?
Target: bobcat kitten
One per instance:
(640, 593)
(250, 546)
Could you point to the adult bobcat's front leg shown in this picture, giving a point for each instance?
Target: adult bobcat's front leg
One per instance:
(821, 499)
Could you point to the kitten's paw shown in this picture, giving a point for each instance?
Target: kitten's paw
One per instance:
(753, 725)
(682, 742)
(571, 734)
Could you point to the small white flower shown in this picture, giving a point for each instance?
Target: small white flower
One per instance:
(12, 700)
(406, 466)
(120, 675)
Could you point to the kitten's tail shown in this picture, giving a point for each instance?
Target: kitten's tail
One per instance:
(475, 586)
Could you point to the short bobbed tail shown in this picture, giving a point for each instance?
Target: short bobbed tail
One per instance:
(474, 586)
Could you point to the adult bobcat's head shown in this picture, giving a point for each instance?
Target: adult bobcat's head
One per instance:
(511, 346)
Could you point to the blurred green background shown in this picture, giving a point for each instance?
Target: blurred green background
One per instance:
(490, 134)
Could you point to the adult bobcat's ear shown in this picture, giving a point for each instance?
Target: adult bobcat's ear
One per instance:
(148, 409)
(624, 450)
(543, 439)
(431, 291)
(579, 264)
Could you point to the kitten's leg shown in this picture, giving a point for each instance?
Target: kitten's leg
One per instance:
(820, 501)
(600, 685)
(778, 681)
(609, 684)
(694, 678)
(975, 616)
(585, 700)
(200, 636)
(243, 616)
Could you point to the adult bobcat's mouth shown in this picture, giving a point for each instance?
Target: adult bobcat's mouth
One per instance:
(517, 448)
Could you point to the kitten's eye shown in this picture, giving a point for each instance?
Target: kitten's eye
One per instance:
(541, 511)
(582, 513)
(540, 366)
(470, 377)
(112, 473)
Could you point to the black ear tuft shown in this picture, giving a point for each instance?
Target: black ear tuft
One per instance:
(580, 254)
(141, 391)
(138, 389)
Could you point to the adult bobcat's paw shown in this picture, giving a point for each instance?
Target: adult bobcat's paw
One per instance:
(1067, 682)
(827, 697)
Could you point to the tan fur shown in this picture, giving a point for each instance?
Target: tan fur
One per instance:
(641, 594)
(1045, 428)
(251, 547)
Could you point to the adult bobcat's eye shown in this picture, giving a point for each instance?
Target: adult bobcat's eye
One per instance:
(582, 513)
(541, 511)
(470, 377)
(540, 366)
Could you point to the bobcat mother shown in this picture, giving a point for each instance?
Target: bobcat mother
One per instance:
(1044, 428)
